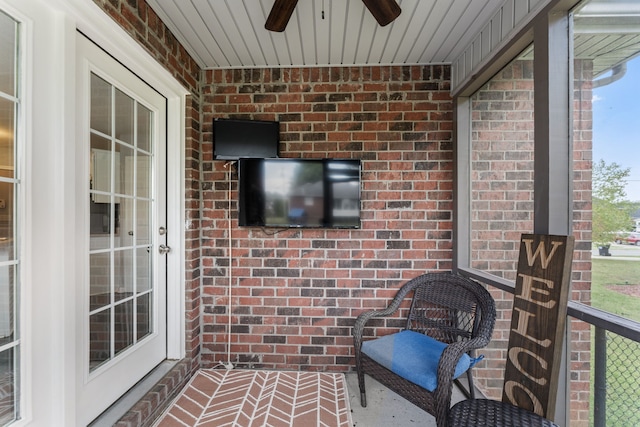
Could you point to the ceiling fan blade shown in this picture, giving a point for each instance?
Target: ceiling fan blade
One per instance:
(280, 15)
(385, 11)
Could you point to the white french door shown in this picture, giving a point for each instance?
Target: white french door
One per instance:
(122, 216)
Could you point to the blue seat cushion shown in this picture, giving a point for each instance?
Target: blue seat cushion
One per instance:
(414, 357)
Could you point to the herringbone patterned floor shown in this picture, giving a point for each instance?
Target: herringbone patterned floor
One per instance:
(251, 398)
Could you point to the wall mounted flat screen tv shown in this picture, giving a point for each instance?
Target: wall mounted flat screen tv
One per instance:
(322, 193)
(236, 138)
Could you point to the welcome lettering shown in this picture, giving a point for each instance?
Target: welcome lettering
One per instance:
(540, 251)
(535, 342)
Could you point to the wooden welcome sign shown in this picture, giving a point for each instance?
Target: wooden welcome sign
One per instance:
(538, 322)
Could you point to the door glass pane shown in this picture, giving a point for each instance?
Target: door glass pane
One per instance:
(123, 273)
(100, 105)
(100, 280)
(8, 296)
(10, 131)
(8, 53)
(100, 338)
(143, 236)
(144, 128)
(124, 117)
(124, 169)
(125, 222)
(143, 269)
(100, 225)
(121, 206)
(143, 318)
(100, 170)
(143, 165)
(7, 130)
(7, 201)
(123, 326)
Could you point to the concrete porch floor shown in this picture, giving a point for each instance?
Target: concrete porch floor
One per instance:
(385, 408)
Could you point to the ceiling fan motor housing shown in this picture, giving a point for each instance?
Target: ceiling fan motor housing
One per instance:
(384, 11)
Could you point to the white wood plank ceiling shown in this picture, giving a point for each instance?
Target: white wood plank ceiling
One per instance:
(231, 33)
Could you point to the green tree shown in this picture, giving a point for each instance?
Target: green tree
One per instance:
(610, 212)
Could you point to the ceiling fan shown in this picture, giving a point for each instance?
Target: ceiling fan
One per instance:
(384, 11)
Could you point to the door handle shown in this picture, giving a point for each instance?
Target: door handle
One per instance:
(164, 249)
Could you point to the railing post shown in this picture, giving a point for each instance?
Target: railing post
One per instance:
(600, 378)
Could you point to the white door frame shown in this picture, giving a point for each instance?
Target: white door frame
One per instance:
(49, 332)
(97, 26)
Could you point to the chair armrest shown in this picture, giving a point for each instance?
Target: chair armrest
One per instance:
(447, 366)
(452, 354)
(363, 318)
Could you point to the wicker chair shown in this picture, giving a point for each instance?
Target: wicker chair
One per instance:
(447, 307)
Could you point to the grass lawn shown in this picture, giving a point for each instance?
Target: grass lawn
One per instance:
(607, 272)
(623, 370)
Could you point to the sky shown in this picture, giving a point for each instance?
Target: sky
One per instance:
(616, 125)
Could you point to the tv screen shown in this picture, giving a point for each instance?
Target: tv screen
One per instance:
(299, 193)
(234, 138)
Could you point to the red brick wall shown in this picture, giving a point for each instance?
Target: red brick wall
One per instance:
(580, 332)
(295, 293)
